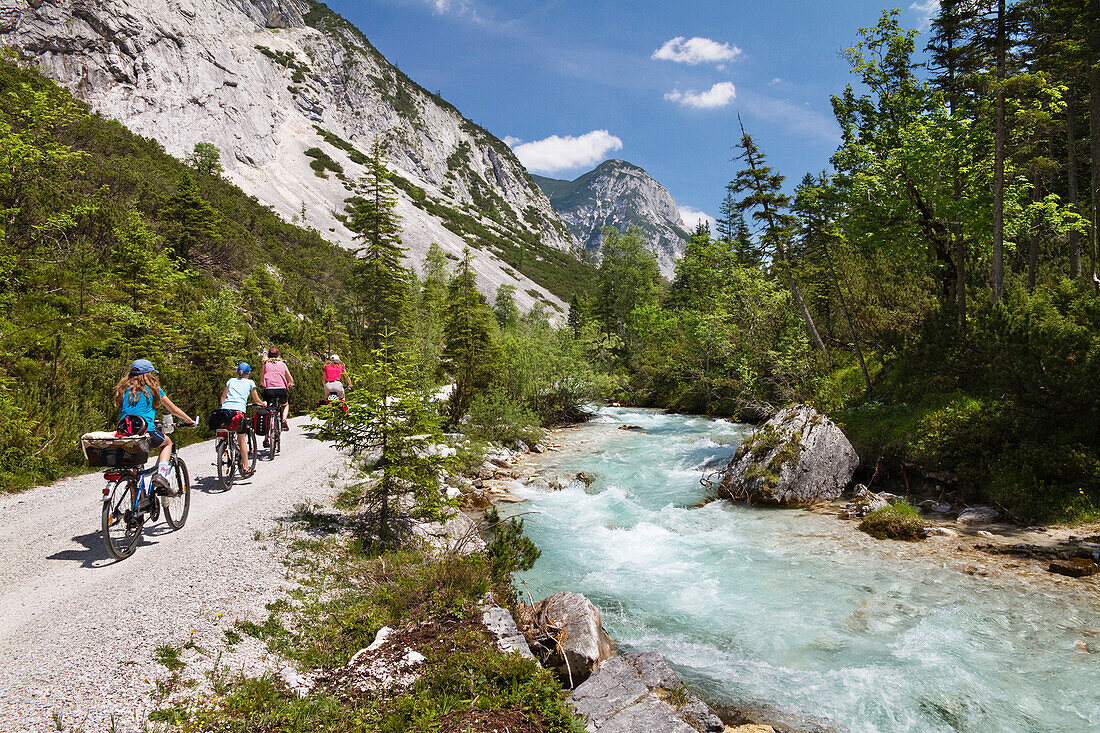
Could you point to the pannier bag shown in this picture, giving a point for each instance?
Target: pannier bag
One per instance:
(224, 420)
(259, 423)
(111, 451)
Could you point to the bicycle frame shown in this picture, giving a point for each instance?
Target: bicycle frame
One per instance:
(143, 476)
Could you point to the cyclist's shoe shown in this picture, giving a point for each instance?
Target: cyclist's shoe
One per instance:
(267, 442)
(161, 487)
(249, 473)
(285, 425)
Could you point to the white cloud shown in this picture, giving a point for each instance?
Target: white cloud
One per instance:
(696, 51)
(693, 217)
(512, 141)
(719, 95)
(925, 11)
(774, 81)
(562, 153)
(454, 7)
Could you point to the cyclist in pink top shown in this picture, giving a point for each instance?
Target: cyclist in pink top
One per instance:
(276, 381)
(335, 376)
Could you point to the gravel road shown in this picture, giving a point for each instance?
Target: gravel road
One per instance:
(78, 631)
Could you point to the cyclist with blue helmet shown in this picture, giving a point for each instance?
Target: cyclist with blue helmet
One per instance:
(138, 395)
(235, 397)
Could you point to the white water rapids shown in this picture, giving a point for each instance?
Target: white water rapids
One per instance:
(793, 613)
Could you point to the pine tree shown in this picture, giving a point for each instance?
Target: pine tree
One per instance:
(192, 222)
(467, 337)
(388, 429)
(380, 283)
(745, 251)
(762, 195)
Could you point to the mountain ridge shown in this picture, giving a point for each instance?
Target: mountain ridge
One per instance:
(291, 93)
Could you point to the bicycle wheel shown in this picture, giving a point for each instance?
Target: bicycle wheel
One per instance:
(277, 439)
(121, 528)
(274, 427)
(251, 450)
(176, 507)
(227, 462)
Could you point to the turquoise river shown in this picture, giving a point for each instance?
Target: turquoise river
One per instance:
(793, 614)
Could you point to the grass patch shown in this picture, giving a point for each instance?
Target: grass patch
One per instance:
(897, 522)
(169, 656)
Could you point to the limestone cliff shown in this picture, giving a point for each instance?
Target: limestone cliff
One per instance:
(292, 94)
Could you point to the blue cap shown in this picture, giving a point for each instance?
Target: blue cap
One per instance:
(243, 367)
(142, 366)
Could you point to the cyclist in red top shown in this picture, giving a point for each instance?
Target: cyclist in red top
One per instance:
(335, 376)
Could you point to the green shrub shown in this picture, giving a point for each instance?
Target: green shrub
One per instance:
(897, 522)
(496, 416)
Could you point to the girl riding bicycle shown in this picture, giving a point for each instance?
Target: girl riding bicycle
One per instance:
(276, 381)
(235, 397)
(139, 394)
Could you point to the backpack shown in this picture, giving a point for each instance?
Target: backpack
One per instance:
(131, 425)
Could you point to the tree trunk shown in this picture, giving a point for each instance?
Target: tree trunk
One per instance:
(1071, 170)
(999, 163)
(847, 316)
(1033, 239)
(1094, 135)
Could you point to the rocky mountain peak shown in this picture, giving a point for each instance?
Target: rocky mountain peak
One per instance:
(620, 194)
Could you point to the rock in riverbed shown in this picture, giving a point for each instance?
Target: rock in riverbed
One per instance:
(979, 515)
(1075, 567)
(798, 457)
(566, 635)
(639, 692)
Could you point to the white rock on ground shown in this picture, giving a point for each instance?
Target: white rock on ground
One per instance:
(78, 631)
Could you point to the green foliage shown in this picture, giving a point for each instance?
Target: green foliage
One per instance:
(504, 306)
(467, 351)
(509, 550)
(323, 162)
(111, 250)
(895, 522)
(390, 427)
(380, 283)
(497, 417)
(206, 159)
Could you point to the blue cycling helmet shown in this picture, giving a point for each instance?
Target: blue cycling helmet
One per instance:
(244, 368)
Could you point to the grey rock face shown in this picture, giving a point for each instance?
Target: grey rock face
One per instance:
(500, 624)
(566, 635)
(639, 692)
(621, 195)
(261, 79)
(798, 457)
(458, 535)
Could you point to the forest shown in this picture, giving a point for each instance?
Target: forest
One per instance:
(935, 291)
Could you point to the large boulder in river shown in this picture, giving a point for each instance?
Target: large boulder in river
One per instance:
(565, 633)
(798, 457)
(639, 692)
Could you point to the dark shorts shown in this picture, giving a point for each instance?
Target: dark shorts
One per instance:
(276, 394)
(156, 439)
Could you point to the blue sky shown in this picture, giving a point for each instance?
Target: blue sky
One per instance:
(569, 83)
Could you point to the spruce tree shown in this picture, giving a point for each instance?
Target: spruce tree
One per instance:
(192, 222)
(467, 337)
(504, 306)
(761, 190)
(388, 429)
(380, 282)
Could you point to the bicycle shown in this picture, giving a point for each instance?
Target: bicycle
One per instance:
(229, 453)
(129, 500)
(272, 416)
